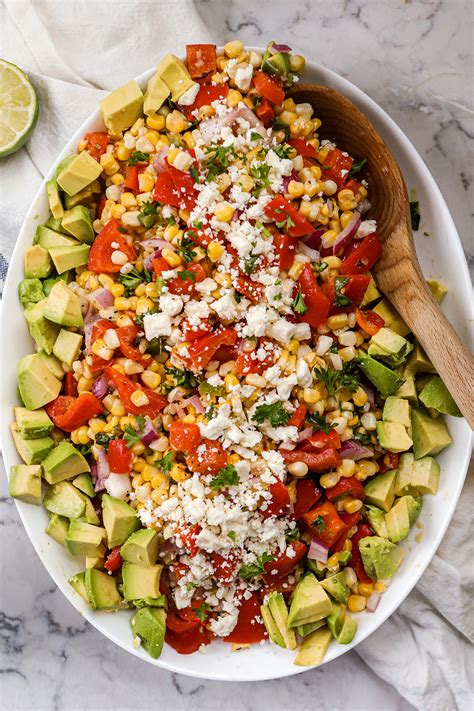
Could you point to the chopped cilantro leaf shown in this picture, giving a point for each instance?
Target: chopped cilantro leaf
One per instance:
(133, 278)
(195, 174)
(103, 439)
(166, 462)
(254, 136)
(299, 305)
(206, 388)
(226, 477)
(250, 264)
(232, 535)
(188, 241)
(275, 414)
(340, 299)
(334, 380)
(319, 423)
(138, 156)
(357, 166)
(319, 523)
(287, 222)
(131, 436)
(253, 569)
(185, 274)
(202, 611)
(182, 378)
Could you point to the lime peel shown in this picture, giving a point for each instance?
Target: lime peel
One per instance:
(18, 108)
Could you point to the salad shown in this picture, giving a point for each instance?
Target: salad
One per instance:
(226, 421)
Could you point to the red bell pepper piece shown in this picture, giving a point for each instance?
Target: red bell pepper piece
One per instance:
(100, 256)
(224, 567)
(182, 621)
(191, 333)
(283, 564)
(350, 520)
(363, 531)
(127, 336)
(249, 628)
(184, 437)
(287, 217)
(351, 286)
(69, 413)
(119, 457)
(298, 417)
(114, 560)
(285, 250)
(369, 321)
(303, 148)
(336, 166)
(70, 384)
(351, 184)
(185, 186)
(363, 257)
(131, 176)
(188, 642)
(264, 112)
(320, 440)
(324, 523)
(251, 289)
(126, 387)
(201, 59)
(160, 265)
(210, 459)
(201, 351)
(187, 285)
(96, 143)
(188, 535)
(268, 88)
(165, 191)
(346, 487)
(315, 461)
(307, 494)
(205, 96)
(279, 503)
(249, 362)
(316, 302)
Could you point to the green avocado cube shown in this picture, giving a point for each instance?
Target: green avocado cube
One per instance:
(98, 559)
(78, 173)
(101, 590)
(32, 451)
(336, 587)
(425, 475)
(403, 483)
(279, 612)
(122, 107)
(83, 197)
(83, 482)
(371, 293)
(389, 346)
(436, 395)
(381, 558)
(78, 223)
(393, 436)
(149, 625)
(429, 436)
(32, 423)
(397, 521)
(30, 291)
(175, 75)
(65, 258)
(65, 500)
(63, 306)
(385, 380)
(25, 483)
(376, 518)
(438, 289)
(140, 582)
(64, 462)
(57, 528)
(408, 390)
(48, 238)
(336, 618)
(392, 318)
(120, 520)
(418, 362)
(52, 363)
(271, 626)
(43, 332)
(37, 262)
(310, 602)
(313, 648)
(77, 582)
(379, 491)
(141, 548)
(83, 538)
(53, 223)
(348, 630)
(305, 630)
(67, 346)
(155, 96)
(396, 409)
(54, 199)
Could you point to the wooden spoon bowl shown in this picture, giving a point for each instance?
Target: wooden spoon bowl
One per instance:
(398, 272)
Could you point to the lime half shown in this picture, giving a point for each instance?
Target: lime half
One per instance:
(18, 108)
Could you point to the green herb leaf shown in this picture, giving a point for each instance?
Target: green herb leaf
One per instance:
(293, 534)
(285, 223)
(184, 274)
(182, 378)
(202, 611)
(226, 477)
(253, 569)
(250, 264)
(195, 174)
(340, 299)
(133, 279)
(299, 305)
(188, 242)
(319, 267)
(319, 523)
(278, 125)
(232, 535)
(282, 150)
(363, 438)
(103, 439)
(357, 166)
(275, 414)
(254, 136)
(334, 380)
(415, 215)
(319, 423)
(166, 462)
(138, 156)
(84, 449)
(131, 436)
(148, 215)
(206, 388)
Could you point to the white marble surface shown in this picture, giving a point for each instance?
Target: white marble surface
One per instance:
(415, 59)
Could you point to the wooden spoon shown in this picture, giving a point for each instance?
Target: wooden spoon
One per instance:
(398, 272)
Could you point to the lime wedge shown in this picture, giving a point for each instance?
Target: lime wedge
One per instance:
(18, 108)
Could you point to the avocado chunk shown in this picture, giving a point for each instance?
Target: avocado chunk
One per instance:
(101, 590)
(429, 436)
(397, 521)
(48, 238)
(84, 196)
(66, 277)
(336, 618)
(305, 630)
(336, 587)
(53, 223)
(120, 520)
(141, 548)
(25, 483)
(348, 630)
(64, 462)
(277, 64)
(37, 262)
(425, 475)
(67, 346)
(65, 258)
(83, 538)
(52, 363)
(32, 451)
(389, 347)
(54, 199)
(397, 409)
(371, 293)
(65, 500)
(57, 528)
(310, 602)
(77, 582)
(149, 625)
(83, 482)
(89, 515)
(393, 436)
(175, 75)
(98, 559)
(404, 474)
(313, 648)
(77, 222)
(271, 626)
(376, 519)
(418, 362)
(438, 289)
(78, 173)
(43, 332)
(392, 318)
(32, 424)
(380, 557)
(385, 380)
(63, 306)
(30, 291)
(279, 611)
(408, 389)
(435, 394)
(155, 96)
(140, 582)
(122, 107)
(379, 491)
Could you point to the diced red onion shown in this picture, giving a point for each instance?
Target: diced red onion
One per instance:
(305, 434)
(102, 471)
(354, 450)
(314, 239)
(363, 206)
(373, 601)
(280, 48)
(89, 322)
(345, 236)
(318, 551)
(100, 387)
(149, 434)
(313, 254)
(148, 261)
(195, 402)
(157, 242)
(287, 180)
(117, 485)
(102, 297)
(159, 160)
(370, 394)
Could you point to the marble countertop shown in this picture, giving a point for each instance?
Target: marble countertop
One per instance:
(414, 58)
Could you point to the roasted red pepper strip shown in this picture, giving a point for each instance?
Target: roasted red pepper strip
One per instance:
(119, 457)
(210, 459)
(346, 487)
(287, 217)
(369, 321)
(336, 166)
(165, 191)
(201, 59)
(363, 257)
(349, 286)
(264, 112)
(316, 302)
(188, 642)
(303, 148)
(356, 561)
(324, 523)
(350, 520)
(96, 143)
(286, 249)
(249, 628)
(69, 413)
(114, 560)
(283, 564)
(252, 363)
(298, 417)
(321, 440)
(70, 384)
(205, 96)
(279, 503)
(315, 461)
(201, 351)
(184, 437)
(191, 275)
(224, 567)
(307, 494)
(268, 88)
(100, 256)
(126, 387)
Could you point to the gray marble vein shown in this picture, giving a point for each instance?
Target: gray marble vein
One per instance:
(415, 59)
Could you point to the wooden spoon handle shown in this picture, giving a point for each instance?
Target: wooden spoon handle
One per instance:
(443, 346)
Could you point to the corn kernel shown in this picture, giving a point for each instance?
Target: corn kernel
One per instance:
(176, 122)
(122, 152)
(356, 603)
(109, 164)
(182, 161)
(146, 182)
(298, 469)
(352, 505)
(118, 409)
(347, 546)
(170, 232)
(311, 395)
(138, 448)
(151, 290)
(288, 117)
(333, 561)
(156, 122)
(297, 63)
(178, 472)
(189, 140)
(233, 49)
(100, 349)
(366, 589)
(96, 425)
(337, 321)
(233, 98)
(117, 211)
(139, 464)
(379, 587)
(224, 212)
(359, 397)
(295, 270)
(144, 304)
(150, 379)
(302, 126)
(139, 398)
(215, 251)
(160, 480)
(296, 189)
(329, 480)
(173, 259)
(121, 304)
(230, 382)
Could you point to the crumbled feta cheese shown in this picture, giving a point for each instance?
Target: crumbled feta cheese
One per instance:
(225, 307)
(243, 77)
(156, 325)
(366, 227)
(303, 373)
(187, 99)
(171, 304)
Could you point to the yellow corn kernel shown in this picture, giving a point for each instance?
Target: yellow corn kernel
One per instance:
(121, 304)
(150, 379)
(345, 195)
(346, 468)
(297, 62)
(223, 279)
(316, 172)
(146, 182)
(379, 587)
(356, 603)
(293, 346)
(295, 270)
(118, 409)
(139, 123)
(332, 262)
(359, 397)
(337, 321)
(311, 395)
(233, 98)
(366, 589)
(109, 164)
(144, 304)
(189, 419)
(111, 424)
(100, 349)
(345, 218)
(106, 281)
(283, 359)
(188, 139)
(230, 382)
(333, 560)
(302, 126)
(137, 481)
(352, 505)
(224, 212)
(329, 480)
(96, 425)
(139, 398)
(295, 189)
(126, 421)
(233, 49)
(128, 200)
(347, 546)
(334, 225)
(117, 211)
(215, 251)
(173, 259)
(176, 122)
(160, 480)
(124, 320)
(178, 472)
(170, 232)
(156, 122)
(149, 472)
(122, 152)
(83, 277)
(289, 105)
(138, 448)
(140, 290)
(256, 380)
(151, 290)
(322, 153)
(139, 464)
(288, 117)
(367, 467)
